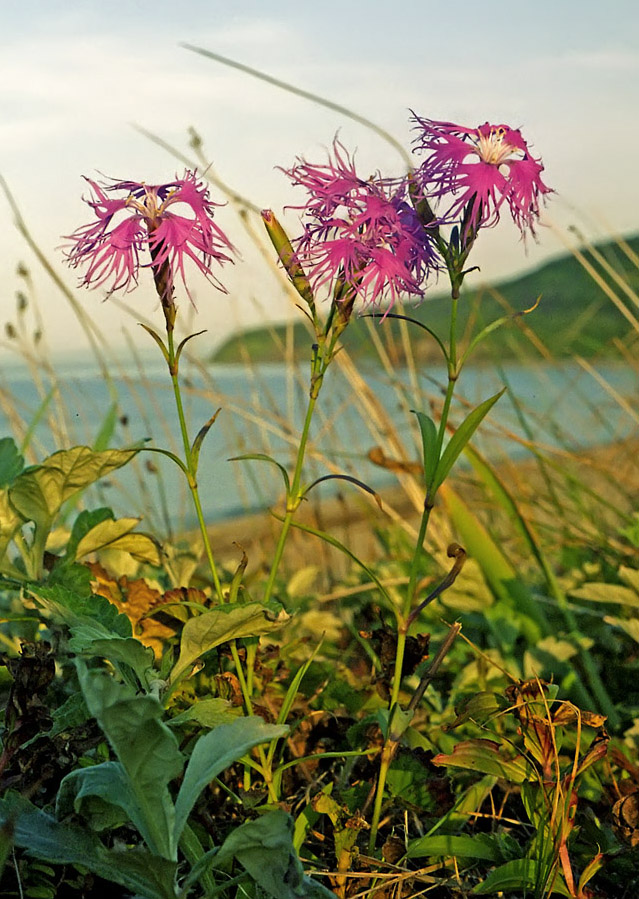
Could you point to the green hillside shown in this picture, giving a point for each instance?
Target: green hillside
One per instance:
(574, 316)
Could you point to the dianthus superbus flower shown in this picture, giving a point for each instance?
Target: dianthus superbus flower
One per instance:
(473, 172)
(168, 223)
(362, 233)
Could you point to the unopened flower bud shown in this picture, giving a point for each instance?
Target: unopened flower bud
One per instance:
(286, 254)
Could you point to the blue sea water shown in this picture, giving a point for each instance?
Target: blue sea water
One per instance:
(262, 410)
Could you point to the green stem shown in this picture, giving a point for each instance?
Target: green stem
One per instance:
(190, 464)
(191, 473)
(388, 753)
(294, 497)
(403, 617)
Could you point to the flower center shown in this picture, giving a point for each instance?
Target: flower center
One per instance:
(492, 147)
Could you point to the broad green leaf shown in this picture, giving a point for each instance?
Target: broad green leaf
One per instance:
(10, 522)
(84, 523)
(480, 707)
(71, 714)
(116, 534)
(461, 846)
(460, 438)
(486, 756)
(66, 844)
(76, 610)
(521, 874)
(92, 641)
(39, 492)
(147, 750)
(73, 577)
(264, 847)
(208, 713)
(408, 781)
(100, 794)
(11, 461)
(213, 753)
(429, 445)
(228, 622)
(141, 547)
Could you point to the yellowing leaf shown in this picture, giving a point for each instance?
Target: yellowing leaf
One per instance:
(103, 534)
(38, 493)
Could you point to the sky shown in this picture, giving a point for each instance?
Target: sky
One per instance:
(76, 78)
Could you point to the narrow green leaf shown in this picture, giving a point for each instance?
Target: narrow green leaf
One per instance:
(498, 571)
(333, 541)
(107, 430)
(158, 340)
(351, 480)
(599, 591)
(213, 753)
(262, 457)
(199, 439)
(429, 445)
(450, 846)
(184, 342)
(487, 757)
(36, 418)
(461, 437)
(519, 874)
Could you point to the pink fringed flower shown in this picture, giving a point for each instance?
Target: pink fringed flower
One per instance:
(362, 232)
(173, 221)
(475, 171)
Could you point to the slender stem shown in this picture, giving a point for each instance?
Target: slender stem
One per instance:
(191, 467)
(388, 753)
(404, 617)
(192, 482)
(294, 498)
